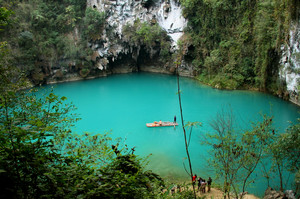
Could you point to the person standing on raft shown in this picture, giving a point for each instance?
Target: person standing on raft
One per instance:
(174, 121)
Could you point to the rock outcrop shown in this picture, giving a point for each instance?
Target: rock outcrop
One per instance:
(273, 194)
(113, 51)
(290, 63)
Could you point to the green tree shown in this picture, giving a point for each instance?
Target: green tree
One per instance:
(4, 17)
(93, 23)
(150, 36)
(29, 127)
(255, 143)
(235, 155)
(40, 157)
(240, 40)
(285, 153)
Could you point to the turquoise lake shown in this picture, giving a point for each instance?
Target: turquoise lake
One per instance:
(124, 103)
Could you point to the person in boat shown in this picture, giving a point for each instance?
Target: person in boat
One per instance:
(160, 123)
(157, 123)
(175, 119)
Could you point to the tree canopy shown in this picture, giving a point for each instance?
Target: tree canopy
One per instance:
(235, 44)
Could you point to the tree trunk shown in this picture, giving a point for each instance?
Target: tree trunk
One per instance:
(184, 132)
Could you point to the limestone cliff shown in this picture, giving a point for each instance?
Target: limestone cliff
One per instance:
(113, 52)
(290, 62)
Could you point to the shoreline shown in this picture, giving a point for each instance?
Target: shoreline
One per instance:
(76, 77)
(214, 193)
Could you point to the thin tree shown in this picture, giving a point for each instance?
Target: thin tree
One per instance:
(183, 127)
(235, 152)
(255, 144)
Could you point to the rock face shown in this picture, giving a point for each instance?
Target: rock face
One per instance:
(120, 12)
(290, 62)
(112, 51)
(273, 194)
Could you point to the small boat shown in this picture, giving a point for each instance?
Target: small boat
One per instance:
(156, 124)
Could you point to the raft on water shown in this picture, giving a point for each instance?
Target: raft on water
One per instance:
(157, 124)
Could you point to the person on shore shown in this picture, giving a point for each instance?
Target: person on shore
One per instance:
(209, 181)
(194, 179)
(199, 183)
(203, 185)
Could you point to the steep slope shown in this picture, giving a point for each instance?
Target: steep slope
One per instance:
(290, 60)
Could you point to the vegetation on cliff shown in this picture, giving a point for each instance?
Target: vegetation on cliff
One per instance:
(231, 43)
(51, 39)
(235, 44)
(238, 155)
(40, 156)
(150, 36)
(45, 36)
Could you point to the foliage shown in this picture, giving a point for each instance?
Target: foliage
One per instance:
(234, 43)
(255, 146)
(29, 127)
(93, 22)
(238, 39)
(42, 33)
(289, 145)
(152, 36)
(284, 151)
(4, 17)
(124, 176)
(235, 155)
(40, 157)
(219, 81)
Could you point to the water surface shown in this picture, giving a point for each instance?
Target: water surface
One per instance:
(125, 103)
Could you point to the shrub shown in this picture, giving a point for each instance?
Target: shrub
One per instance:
(93, 22)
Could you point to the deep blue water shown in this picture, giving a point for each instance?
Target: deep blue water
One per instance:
(123, 104)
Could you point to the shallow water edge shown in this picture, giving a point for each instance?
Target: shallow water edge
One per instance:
(72, 77)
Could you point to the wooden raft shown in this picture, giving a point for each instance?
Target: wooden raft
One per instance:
(156, 124)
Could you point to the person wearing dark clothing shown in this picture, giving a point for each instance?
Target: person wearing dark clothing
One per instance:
(203, 185)
(209, 181)
(199, 183)
(175, 119)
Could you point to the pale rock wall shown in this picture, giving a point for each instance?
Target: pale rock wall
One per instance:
(121, 12)
(290, 62)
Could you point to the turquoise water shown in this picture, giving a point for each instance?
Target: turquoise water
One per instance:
(123, 104)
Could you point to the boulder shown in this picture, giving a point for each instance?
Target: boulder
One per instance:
(272, 194)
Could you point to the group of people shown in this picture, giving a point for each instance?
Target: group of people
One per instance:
(202, 183)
